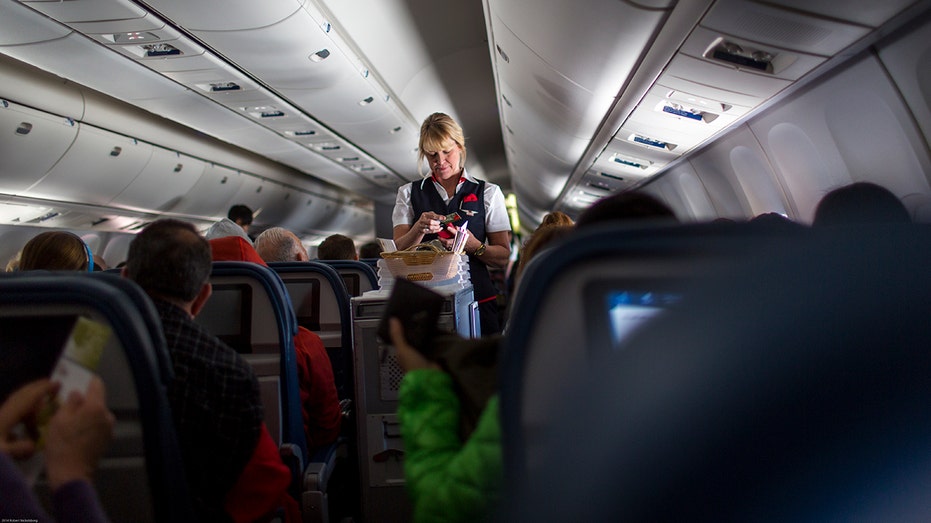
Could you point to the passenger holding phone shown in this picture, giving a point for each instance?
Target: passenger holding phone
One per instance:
(449, 479)
(422, 206)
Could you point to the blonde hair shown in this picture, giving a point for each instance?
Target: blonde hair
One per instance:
(55, 251)
(435, 130)
(556, 218)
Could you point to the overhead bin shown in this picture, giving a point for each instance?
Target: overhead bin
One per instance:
(535, 88)
(596, 45)
(213, 193)
(165, 180)
(39, 141)
(96, 168)
(901, 58)
(227, 14)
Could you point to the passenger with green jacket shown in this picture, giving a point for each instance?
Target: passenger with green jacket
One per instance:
(450, 478)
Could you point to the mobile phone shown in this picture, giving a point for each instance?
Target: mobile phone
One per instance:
(418, 308)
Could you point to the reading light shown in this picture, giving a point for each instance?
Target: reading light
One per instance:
(320, 55)
(396, 130)
(366, 101)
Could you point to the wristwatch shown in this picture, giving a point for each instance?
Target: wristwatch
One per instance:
(480, 251)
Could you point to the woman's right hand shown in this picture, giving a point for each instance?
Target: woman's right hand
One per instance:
(428, 223)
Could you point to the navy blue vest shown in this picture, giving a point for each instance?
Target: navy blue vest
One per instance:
(469, 202)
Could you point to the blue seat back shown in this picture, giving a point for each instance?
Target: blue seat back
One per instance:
(358, 276)
(251, 311)
(141, 476)
(321, 303)
(560, 318)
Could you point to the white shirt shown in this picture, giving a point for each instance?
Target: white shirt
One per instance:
(496, 213)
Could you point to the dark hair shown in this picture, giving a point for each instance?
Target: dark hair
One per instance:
(860, 203)
(240, 214)
(55, 251)
(170, 259)
(337, 247)
(370, 250)
(626, 206)
(545, 236)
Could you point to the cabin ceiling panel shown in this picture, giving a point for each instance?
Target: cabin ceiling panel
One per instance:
(225, 15)
(673, 82)
(87, 10)
(96, 168)
(164, 181)
(782, 28)
(596, 43)
(865, 12)
(20, 25)
(40, 140)
(725, 78)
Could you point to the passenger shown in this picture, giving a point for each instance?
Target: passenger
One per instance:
(420, 207)
(224, 228)
(214, 395)
(627, 206)
(100, 264)
(78, 434)
(241, 216)
(860, 203)
(776, 221)
(450, 478)
(543, 237)
(556, 218)
(337, 247)
(370, 250)
(280, 245)
(320, 407)
(13, 264)
(56, 251)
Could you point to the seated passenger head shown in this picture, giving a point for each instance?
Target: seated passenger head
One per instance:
(556, 218)
(337, 247)
(774, 220)
(241, 216)
(860, 203)
(542, 238)
(56, 251)
(224, 228)
(370, 250)
(169, 259)
(280, 245)
(234, 248)
(626, 207)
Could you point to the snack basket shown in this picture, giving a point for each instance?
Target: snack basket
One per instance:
(423, 262)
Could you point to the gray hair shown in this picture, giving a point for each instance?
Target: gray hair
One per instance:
(278, 245)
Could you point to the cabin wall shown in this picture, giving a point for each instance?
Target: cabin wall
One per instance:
(870, 120)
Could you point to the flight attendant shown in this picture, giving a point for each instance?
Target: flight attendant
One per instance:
(421, 206)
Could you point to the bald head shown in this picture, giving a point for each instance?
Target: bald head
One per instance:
(279, 245)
